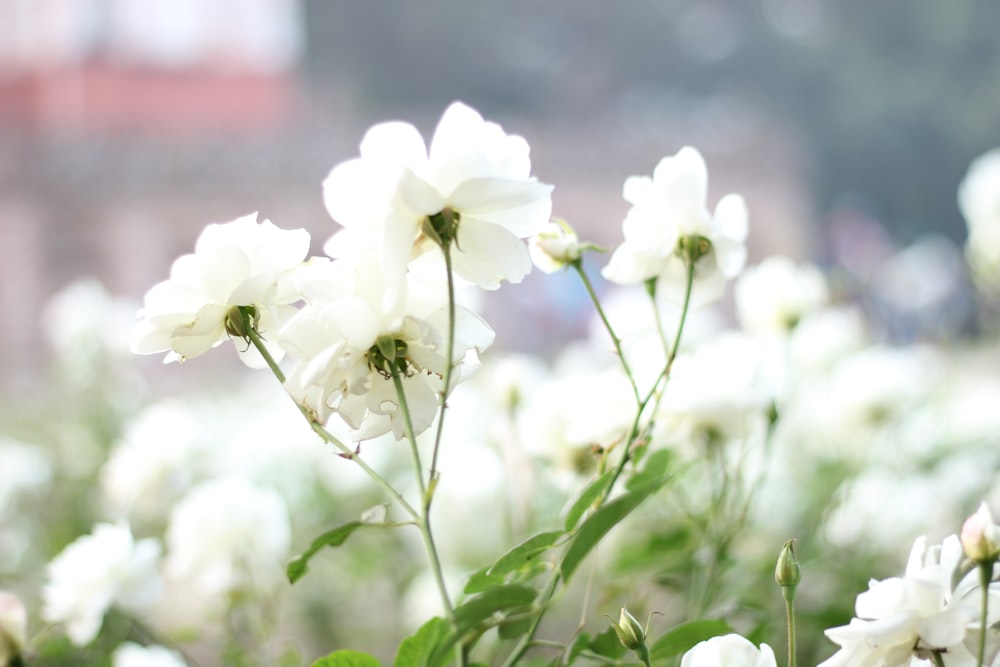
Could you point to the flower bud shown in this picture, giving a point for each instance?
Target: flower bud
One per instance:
(979, 536)
(13, 628)
(787, 571)
(554, 247)
(629, 632)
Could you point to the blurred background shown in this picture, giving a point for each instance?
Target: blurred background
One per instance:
(127, 126)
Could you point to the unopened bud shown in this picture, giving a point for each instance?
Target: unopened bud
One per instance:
(787, 571)
(13, 629)
(979, 536)
(629, 632)
(555, 246)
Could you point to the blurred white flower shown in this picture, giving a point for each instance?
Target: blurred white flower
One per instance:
(348, 339)
(153, 461)
(774, 296)
(24, 468)
(97, 571)
(227, 533)
(905, 617)
(238, 263)
(555, 246)
(979, 201)
(134, 655)
(728, 651)
(669, 225)
(13, 627)
(473, 177)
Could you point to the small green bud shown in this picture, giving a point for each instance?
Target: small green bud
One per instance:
(787, 571)
(692, 248)
(240, 320)
(629, 632)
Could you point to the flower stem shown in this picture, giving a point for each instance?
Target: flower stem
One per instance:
(788, 592)
(937, 658)
(542, 601)
(578, 266)
(328, 437)
(411, 437)
(985, 577)
(446, 380)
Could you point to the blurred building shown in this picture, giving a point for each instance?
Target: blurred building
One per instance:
(113, 118)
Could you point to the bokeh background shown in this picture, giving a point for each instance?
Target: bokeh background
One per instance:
(126, 126)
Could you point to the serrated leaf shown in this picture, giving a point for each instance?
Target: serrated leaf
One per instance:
(653, 471)
(416, 650)
(599, 523)
(472, 612)
(348, 659)
(525, 552)
(586, 498)
(682, 638)
(334, 537)
(607, 644)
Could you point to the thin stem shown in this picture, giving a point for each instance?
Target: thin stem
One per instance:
(985, 576)
(411, 437)
(788, 592)
(546, 595)
(578, 266)
(937, 658)
(328, 437)
(450, 352)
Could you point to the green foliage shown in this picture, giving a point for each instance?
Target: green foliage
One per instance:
(416, 650)
(526, 553)
(587, 497)
(347, 659)
(332, 538)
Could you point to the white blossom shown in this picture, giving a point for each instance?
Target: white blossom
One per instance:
(728, 651)
(226, 534)
(239, 263)
(107, 567)
(134, 655)
(344, 338)
(979, 201)
(669, 225)
(774, 296)
(905, 617)
(555, 246)
(473, 174)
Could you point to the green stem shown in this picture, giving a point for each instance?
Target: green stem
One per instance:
(546, 595)
(424, 522)
(328, 437)
(788, 592)
(449, 363)
(937, 658)
(578, 266)
(985, 577)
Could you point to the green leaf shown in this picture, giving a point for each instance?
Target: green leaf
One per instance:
(514, 628)
(586, 498)
(347, 659)
(607, 644)
(600, 522)
(525, 552)
(685, 636)
(653, 471)
(581, 642)
(472, 612)
(332, 538)
(480, 580)
(416, 650)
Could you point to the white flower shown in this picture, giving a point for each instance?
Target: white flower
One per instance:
(97, 571)
(729, 651)
(134, 655)
(901, 617)
(473, 184)
(13, 627)
(669, 225)
(347, 333)
(227, 533)
(554, 247)
(774, 296)
(979, 201)
(239, 263)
